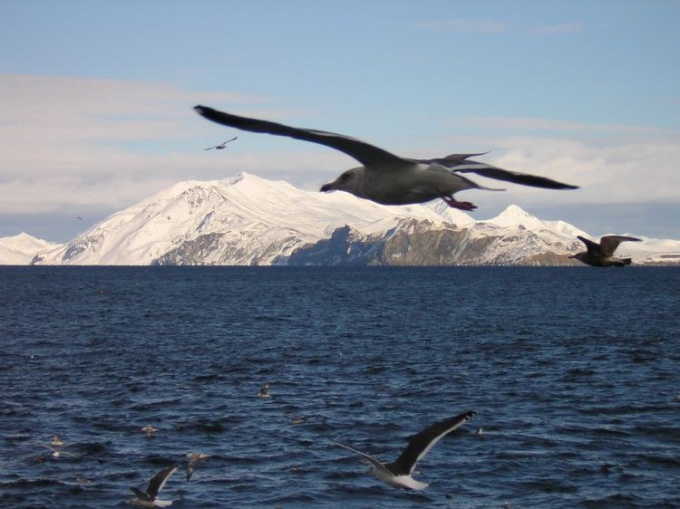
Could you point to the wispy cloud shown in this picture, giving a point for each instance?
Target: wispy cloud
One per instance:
(67, 143)
(478, 26)
(81, 141)
(608, 171)
(559, 29)
(552, 125)
(490, 27)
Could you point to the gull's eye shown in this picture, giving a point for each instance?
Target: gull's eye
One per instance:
(345, 176)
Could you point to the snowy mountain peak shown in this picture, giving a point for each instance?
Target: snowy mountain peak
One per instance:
(248, 220)
(20, 249)
(516, 216)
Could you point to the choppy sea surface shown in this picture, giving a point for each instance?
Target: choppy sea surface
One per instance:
(574, 374)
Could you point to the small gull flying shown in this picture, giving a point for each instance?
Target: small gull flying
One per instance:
(149, 430)
(56, 451)
(194, 458)
(387, 178)
(222, 145)
(602, 254)
(399, 473)
(149, 498)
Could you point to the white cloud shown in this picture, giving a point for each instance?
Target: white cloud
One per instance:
(73, 142)
(607, 171)
(70, 142)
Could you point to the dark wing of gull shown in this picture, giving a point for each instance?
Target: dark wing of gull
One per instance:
(459, 163)
(420, 444)
(141, 495)
(366, 154)
(158, 481)
(609, 243)
(593, 247)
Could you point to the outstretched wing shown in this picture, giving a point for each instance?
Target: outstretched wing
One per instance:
(420, 444)
(366, 154)
(158, 481)
(593, 248)
(609, 243)
(459, 163)
(374, 461)
(140, 494)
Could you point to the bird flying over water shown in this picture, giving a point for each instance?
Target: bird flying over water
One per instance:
(57, 451)
(387, 178)
(149, 430)
(602, 254)
(194, 458)
(149, 498)
(398, 473)
(222, 145)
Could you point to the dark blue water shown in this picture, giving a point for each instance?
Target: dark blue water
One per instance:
(574, 373)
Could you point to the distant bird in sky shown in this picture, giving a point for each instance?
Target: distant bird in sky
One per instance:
(398, 473)
(602, 254)
(387, 178)
(149, 498)
(194, 458)
(221, 145)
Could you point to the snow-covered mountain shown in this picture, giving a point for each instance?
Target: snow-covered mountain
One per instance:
(247, 220)
(21, 249)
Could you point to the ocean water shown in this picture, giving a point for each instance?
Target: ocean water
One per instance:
(574, 374)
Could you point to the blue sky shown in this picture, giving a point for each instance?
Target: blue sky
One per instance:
(97, 100)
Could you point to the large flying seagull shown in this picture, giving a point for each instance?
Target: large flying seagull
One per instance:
(387, 178)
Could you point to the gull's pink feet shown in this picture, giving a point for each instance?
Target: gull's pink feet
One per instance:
(462, 205)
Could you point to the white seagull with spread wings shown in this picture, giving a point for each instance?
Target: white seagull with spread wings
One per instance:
(398, 473)
(387, 178)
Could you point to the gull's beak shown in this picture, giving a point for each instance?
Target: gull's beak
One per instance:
(331, 186)
(339, 184)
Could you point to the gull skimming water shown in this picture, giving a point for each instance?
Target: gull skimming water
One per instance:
(387, 178)
(149, 430)
(398, 473)
(149, 498)
(56, 451)
(602, 254)
(194, 458)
